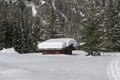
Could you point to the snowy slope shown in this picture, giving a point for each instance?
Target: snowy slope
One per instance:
(58, 67)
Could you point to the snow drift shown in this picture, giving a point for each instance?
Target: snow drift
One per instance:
(8, 51)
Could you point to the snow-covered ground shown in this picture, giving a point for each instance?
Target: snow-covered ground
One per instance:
(58, 67)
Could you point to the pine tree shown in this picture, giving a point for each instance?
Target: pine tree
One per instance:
(92, 29)
(112, 28)
(116, 28)
(2, 35)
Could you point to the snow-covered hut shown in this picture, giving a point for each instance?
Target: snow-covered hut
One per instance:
(57, 46)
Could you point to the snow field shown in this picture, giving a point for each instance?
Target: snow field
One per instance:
(14, 66)
(114, 69)
(52, 67)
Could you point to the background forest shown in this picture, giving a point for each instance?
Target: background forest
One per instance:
(95, 24)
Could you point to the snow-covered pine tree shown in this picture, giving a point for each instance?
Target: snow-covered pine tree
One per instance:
(2, 35)
(112, 28)
(116, 27)
(92, 28)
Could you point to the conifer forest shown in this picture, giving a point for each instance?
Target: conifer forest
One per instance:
(94, 24)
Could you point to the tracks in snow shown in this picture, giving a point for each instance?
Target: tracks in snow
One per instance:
(114, 69)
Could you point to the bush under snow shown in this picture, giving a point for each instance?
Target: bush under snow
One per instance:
(8, 51)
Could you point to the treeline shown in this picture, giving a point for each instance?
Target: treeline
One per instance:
(94, 24)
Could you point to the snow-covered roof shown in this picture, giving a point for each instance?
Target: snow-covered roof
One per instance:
(57, 43)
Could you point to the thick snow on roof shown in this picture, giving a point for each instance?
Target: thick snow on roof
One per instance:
(57, 43)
